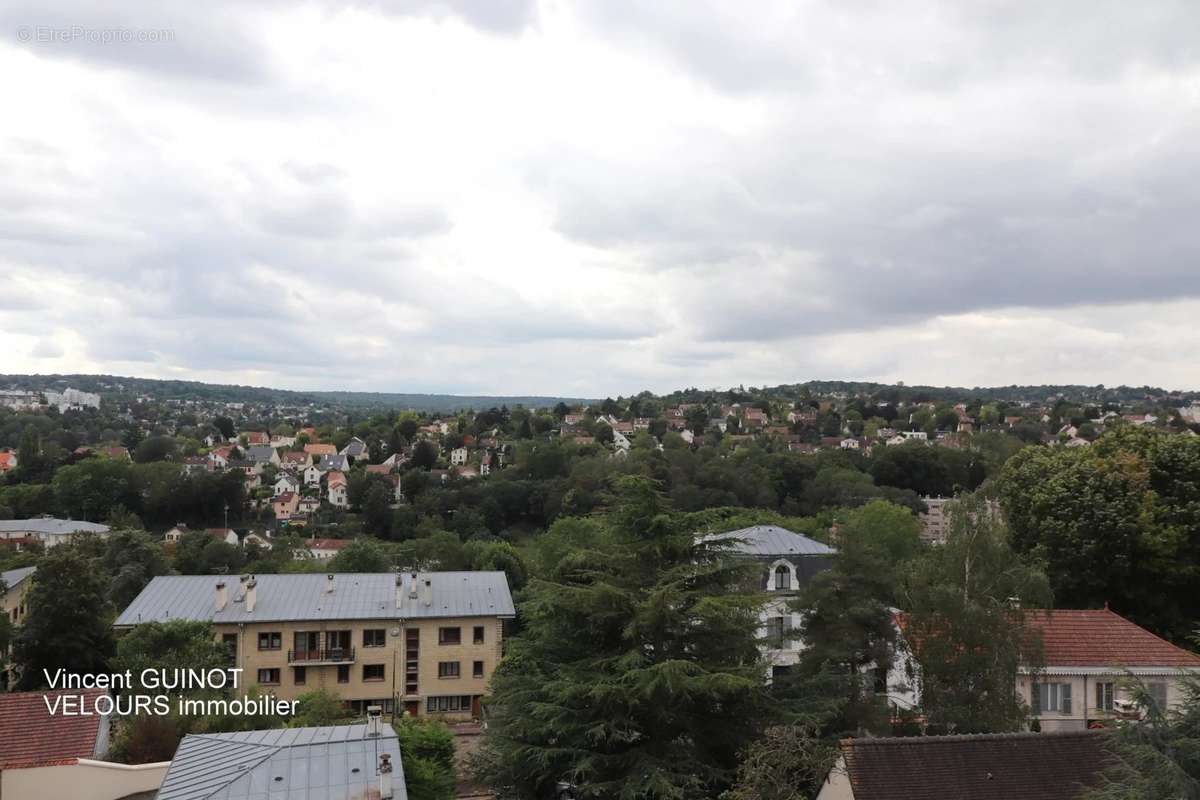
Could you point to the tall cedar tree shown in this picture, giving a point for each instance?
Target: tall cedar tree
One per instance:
(69, 614)
(637, 674)
(965, 626)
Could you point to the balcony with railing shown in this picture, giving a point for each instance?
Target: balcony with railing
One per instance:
(331, 655)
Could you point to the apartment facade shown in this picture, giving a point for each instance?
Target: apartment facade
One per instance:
(424, 643)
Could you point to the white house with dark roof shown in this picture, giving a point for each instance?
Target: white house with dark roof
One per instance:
(789, 561)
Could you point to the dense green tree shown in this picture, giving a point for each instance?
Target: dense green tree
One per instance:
(965, 623)
(68, 626)
(131, 559)
(1116, 523)
(361, 555)
(173, 645)
(637, 673)
(789, 762)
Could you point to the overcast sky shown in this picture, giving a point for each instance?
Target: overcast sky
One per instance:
(593, 198)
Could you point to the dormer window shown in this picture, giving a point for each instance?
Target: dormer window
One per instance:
(783, 578)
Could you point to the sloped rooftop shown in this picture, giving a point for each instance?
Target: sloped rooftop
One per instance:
(31, 736)
(356, 595)
(772, 540)
(1100, 637)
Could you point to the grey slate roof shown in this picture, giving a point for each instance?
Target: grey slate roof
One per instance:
(356, 595)
(51, 526)
(772, 540)
(260, 453)
(11, 578)
(335, 462)
(328, 763)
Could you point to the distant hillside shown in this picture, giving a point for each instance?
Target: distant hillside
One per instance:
(115, 386)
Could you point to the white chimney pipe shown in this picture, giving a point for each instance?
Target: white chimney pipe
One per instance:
(399, 591)
(329, 583)
(222, 596)
(251, 594)
(427, 592)
(385, 776)
(412, 587)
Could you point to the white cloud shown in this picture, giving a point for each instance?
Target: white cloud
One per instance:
(599, 197)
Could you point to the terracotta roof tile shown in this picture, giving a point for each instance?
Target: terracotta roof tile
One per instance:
(1030, 766)
(1094, 638)
(31, 736)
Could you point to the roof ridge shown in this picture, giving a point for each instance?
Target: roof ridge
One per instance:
(967, 737)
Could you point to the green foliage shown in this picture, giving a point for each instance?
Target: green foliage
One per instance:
(319, 707)
(965, 627)
(428, 750)
(361, 555)
(68, 626)
(789, 762)
(637, 673)
(1117, 522)
(178, 644)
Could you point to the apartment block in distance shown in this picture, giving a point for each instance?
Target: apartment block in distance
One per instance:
(424, 643)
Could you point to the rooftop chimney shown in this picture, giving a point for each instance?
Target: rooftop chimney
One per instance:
(399, 591)
(427, 592)
(374, 715)
(251, 594)
(385, 776)
(222, 596)
(329, 583)
(412, 588)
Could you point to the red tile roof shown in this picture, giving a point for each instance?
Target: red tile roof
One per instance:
(30, 736)
(326, 544)
(1029, 766)
(1094, 638)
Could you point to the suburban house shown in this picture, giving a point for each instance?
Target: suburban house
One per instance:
(998, 766)
(322, 549)
(262, 455)
(459, 456)
(257, 438)
(789, 561)
(335, 487)
(226, 535)
(52, 755)
(312, 475)
(933, 521)
(320, 450)
(295, 460)
(1089, 657)
(429, 641)
(326, 763)
(285, 506)
(334, 463)
(355, 449)
(285, 483)
(48, 531)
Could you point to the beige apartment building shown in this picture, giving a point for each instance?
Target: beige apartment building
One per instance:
(15, 585)
(425, 643)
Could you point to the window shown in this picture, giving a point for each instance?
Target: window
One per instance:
(268, 676)
(779, 632)
(374, 637)
(1047, 697)
(299, 675)
(1158, 692)
(1104, 697)
(343, 673)
(454, 702)
(373, 672)
(447, 669)
(270, 640)
(449, 635)
(478, 634)
(783, 578)
(477, 669)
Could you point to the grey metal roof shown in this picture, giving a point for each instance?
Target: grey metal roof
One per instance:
(772, 540)
(356, 595)
(10, 578)
(336, 762)
(337, 462)
(51, 526)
